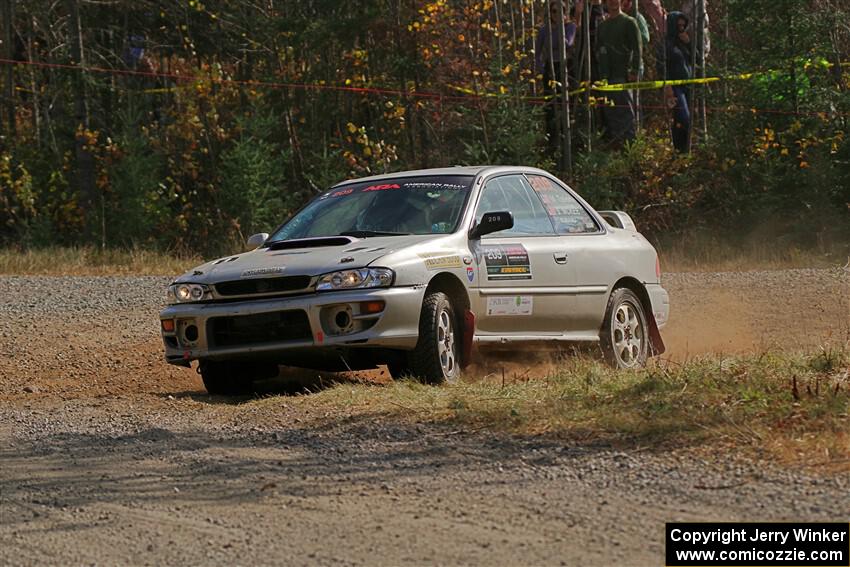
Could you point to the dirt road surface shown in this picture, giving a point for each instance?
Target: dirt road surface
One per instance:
(109, 456)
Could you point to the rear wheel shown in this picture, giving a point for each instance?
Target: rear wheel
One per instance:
(436, 358)
(232, 378)
(625, 334)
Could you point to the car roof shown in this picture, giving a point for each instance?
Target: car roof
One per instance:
(471, 170)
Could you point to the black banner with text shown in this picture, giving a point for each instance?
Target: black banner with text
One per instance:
(758, 544)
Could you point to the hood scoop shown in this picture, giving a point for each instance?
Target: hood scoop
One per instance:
(318, 242)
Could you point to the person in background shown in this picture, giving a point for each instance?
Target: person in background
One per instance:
(657, 15)
(555, 38)
(690, 11)
(619, 51)
(598, 13)
(628, 8)
(676, 66)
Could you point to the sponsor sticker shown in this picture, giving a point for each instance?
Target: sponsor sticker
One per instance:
(470, 274)
(541, 183)
(383, 187)
(510, 305)
(254, 272)
(507, 262)
(437, 261)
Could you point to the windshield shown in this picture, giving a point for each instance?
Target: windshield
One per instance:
(406, 205)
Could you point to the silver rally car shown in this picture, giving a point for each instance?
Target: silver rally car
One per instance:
(409, 270)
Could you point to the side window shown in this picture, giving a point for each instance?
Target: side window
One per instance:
(568, 216)
(513, 193)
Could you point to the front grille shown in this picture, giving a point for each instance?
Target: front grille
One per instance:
(263, 285)
(278, 326)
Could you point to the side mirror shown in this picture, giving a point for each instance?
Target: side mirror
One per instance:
(492, 222)
(256, 240)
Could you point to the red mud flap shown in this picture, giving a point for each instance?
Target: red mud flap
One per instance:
(656, 343)
(468, 334)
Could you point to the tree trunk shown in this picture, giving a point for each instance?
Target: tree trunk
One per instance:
(85, 160)
(9, 54)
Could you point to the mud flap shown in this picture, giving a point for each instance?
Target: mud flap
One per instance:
(656, 343)
(468, 335)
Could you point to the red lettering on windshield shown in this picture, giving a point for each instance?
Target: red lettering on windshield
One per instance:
(382, 187)
(341, 192)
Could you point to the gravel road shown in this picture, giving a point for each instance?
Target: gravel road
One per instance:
(109, 456)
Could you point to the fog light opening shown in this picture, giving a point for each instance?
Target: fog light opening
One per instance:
(338, 320)
(191, 333)
(342, 319)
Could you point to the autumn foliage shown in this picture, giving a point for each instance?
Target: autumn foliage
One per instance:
(195, 124)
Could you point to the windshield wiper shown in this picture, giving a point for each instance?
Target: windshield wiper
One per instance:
(368, 233)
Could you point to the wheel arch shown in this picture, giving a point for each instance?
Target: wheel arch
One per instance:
(630, 283)
(458, 294)
(451, 285)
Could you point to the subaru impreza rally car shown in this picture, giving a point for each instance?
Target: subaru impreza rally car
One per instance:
(410, 270)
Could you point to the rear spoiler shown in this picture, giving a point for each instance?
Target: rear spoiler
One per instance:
(618, 219)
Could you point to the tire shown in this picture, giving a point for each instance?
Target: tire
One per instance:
(229, 378)
(399, 369)
(624, 337)
(436, 358)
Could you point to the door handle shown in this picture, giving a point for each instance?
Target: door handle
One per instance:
(560, 257)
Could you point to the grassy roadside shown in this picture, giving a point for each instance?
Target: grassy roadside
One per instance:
(792, 407)
(710, 256)
(93, 261)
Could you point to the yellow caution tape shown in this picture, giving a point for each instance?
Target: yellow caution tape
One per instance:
(647, 85)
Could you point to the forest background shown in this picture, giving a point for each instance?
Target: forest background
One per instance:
(192, 124)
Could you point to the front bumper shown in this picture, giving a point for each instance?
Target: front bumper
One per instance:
(197, 334)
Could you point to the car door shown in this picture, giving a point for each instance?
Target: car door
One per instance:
(586, 244)
(522, 270)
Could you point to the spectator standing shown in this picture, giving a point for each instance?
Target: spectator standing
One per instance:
(678, 67)
(656, 14)
(628, 8)
(619, 52)
(555, 40)
(691, 11)
(597, 15)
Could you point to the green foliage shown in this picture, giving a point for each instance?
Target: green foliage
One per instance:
(252, 184)
(508, 132)
(249, 118)
(17, 199)
(137, 207)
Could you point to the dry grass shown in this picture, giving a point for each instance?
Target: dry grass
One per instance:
(92, 261)
(698, 256)
(794, 407)
(707, 255)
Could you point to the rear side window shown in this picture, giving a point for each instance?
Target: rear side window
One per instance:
(567, 214)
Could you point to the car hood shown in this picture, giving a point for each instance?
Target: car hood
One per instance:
(315, 257)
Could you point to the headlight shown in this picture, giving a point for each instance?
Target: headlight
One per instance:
(356, 279)
(187, 293)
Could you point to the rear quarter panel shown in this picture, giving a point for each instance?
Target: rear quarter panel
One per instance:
(604, 260)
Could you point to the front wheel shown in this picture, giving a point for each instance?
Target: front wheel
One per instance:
(436, 358)
(231, 378)
(625, 334)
